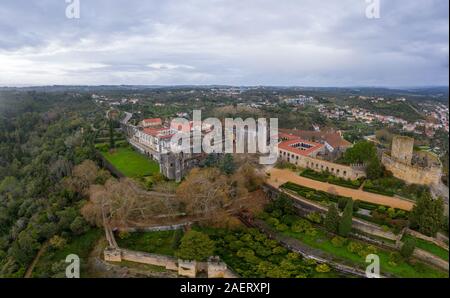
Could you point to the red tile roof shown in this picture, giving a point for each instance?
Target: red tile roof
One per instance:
(288, 146)
(333, 138)
(158, 132)
(153, 121)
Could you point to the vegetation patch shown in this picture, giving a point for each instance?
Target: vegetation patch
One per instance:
(329, 178)
(345, 250)
(429, 247)
(252, 254)
(378, 214)
(390, 186)
(52, 262)
(160, 242)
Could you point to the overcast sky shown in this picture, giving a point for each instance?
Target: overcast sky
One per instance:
(237, 42)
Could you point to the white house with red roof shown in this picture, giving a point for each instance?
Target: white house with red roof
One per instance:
(151, 122)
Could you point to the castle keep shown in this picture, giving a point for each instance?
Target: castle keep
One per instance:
(414, 168)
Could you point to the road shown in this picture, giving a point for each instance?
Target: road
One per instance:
(279, 177)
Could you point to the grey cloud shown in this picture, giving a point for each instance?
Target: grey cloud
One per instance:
(275, 42)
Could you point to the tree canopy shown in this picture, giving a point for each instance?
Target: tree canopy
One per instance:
(195, 246)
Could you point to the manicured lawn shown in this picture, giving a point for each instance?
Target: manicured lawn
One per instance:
(131, 163)
(429, 247)
(80, 246)
(162, 242)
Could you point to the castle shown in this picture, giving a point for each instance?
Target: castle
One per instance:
(412, 167)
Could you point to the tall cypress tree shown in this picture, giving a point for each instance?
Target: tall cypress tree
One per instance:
(112, 142)
(345, 225)
(332, 218)
(427, 215)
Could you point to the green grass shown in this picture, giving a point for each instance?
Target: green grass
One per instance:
(429, 247)
(162, 242)
(131, 163)
(80, 246)
(322, 242)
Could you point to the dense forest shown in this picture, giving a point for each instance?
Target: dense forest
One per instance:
(42, 138)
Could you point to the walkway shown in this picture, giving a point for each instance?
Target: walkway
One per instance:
(30, 268)
(278, 177)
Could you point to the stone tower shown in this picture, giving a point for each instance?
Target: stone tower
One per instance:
(402, 149)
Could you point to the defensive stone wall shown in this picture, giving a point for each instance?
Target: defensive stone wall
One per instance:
(319, 165)
(214, 267)
(430, 259)
(402, 149)
(412, 173)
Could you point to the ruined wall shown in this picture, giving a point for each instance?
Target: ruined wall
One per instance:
(176, 166)
(402, 149)
(187, 268)
(430, 259)
(151, 259)
(411, 173)
(318, 165)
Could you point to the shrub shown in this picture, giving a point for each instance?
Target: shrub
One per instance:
(57, 242)
(315, 217)
(408, 248)
(381, 209)
(102, 147)
(279, 250)
(195, 246)
(322, 268)
(355, 247)
(124, 234)
(263, 215)
(288, 219)
(338, 241)
(394, 258)
(301, 226)
(391, 212)
(370, 249)
(385, 228)
(277, 213)
(79, 226)
(273, 221)
(281, 227)
(311, 232)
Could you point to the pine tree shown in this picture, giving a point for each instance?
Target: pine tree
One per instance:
(345, 225)
(408, 248)
(427, 215)
(228, 166)
(112, 142)
(332, 218)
